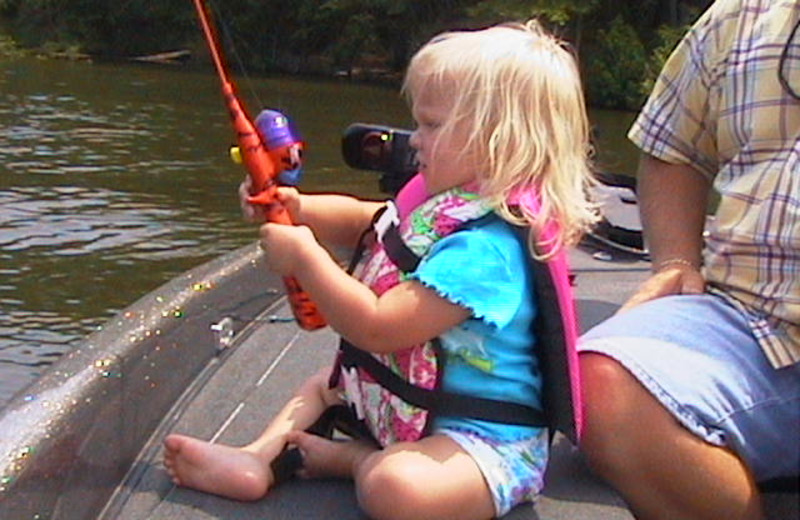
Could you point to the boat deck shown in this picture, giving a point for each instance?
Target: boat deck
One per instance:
(245, 388)
(239, 392)
(84, 441)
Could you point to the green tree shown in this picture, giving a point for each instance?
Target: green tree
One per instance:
(390, 27)
(621, 50)
(616, 67)
(113, 29)
(9, 7)
(403, 25)
(121, 29)
(668, 37)
(565, 16)
(257, 34)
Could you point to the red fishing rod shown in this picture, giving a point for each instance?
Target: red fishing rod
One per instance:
(263, 166)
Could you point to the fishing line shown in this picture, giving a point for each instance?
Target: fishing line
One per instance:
(228, 41)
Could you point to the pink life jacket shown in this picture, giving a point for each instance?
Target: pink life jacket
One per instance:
(397, 395)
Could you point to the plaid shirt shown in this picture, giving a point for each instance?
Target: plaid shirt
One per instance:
(719, 106)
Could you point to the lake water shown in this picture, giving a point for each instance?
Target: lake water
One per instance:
(116, 178)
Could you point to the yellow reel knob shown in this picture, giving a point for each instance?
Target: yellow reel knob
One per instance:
(236, 154)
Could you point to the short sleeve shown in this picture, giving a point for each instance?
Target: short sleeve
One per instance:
(481, 269)
(678, 122)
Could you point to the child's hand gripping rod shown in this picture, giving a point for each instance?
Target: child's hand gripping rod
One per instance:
(263, 170)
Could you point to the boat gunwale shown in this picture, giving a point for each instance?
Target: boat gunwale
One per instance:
(71, 436)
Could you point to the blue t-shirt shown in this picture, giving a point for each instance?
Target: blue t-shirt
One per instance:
(492, 354)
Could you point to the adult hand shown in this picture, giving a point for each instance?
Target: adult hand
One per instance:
(673, 279)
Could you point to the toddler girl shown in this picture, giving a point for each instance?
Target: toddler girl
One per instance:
(502, 141)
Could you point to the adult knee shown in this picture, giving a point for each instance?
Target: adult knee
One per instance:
(611, 411)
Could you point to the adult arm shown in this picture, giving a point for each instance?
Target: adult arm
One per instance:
(673, 200)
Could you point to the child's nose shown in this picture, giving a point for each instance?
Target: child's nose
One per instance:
(413, 140)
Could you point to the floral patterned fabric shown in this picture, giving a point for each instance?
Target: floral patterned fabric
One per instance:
(514, 471)
(389, 418)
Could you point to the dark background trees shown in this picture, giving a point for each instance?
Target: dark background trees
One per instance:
(621, 43)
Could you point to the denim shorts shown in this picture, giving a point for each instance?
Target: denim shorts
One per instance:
(696, 355)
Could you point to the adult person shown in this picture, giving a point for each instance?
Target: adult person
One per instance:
(692, 390)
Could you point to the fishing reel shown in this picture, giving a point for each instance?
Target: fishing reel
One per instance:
(382, 149)
(283, 142)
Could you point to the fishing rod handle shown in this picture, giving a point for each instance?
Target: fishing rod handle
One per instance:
(304, 309)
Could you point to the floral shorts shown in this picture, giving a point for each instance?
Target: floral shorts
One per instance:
(514, 471)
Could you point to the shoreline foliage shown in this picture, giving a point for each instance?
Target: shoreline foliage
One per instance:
(621, 44)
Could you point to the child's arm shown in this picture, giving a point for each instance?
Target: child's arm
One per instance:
(337, 220)
(405, 315)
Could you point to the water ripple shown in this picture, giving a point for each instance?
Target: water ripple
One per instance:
(100, 202)
(69, 220)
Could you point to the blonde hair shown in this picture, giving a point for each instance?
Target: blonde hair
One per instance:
(518, 88)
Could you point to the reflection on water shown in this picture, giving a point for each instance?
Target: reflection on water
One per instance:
(66, 221)
(114, 179)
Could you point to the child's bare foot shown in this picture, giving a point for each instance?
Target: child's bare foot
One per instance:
(326, 458)
(215, 468)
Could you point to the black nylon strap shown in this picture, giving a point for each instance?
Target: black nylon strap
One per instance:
(396, 249)
(439, 402)
(361, 246)
(337, 417)
(398, 252)
(402, 256)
